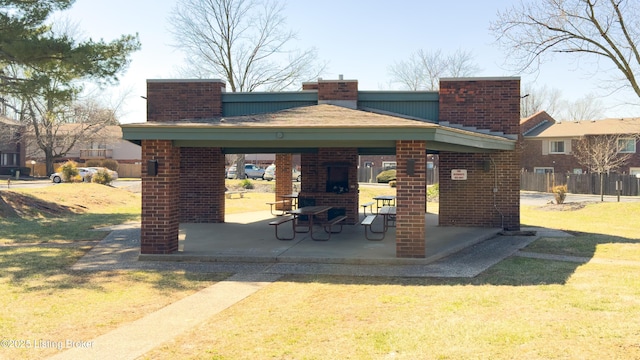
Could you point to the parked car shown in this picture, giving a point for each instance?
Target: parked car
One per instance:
(251, 171)
(85, 174)
(270, 174)
(231, 172)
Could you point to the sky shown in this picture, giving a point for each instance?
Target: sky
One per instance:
(359, 39)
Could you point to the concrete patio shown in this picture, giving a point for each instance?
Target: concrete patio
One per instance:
(248, 237)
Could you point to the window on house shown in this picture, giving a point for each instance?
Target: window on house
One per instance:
(9, 159)
(627, 145)
(635, 171)
(543, 170)
(556, 147)
(388, 165)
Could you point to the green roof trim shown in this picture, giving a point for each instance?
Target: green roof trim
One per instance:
(270, 139)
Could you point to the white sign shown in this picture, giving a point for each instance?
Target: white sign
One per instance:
(459, 174)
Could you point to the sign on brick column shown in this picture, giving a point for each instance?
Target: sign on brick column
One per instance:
(160, 197)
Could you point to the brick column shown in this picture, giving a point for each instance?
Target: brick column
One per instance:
(160, 197)
(411, 198)
(201, 185)
(283, 178)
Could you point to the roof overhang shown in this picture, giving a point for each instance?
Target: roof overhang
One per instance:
(321, 126)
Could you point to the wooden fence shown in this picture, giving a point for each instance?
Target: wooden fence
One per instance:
(368, 174)
(124, 170)
(582, 183)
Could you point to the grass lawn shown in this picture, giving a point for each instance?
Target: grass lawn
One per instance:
(519, 308)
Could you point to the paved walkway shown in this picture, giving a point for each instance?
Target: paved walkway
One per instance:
(141, 336)
(119, 250)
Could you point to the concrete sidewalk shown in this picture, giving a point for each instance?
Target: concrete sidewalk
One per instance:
(133, 340)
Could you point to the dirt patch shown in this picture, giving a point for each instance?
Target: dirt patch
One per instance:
(61, 200)
(21, 205)
(568, 206)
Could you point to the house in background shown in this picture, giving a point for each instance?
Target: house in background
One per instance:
(107, 144)
(549, 144)
(12, 150)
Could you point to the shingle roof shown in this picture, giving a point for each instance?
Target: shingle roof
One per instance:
(314, 126)
(316, 116)
(582, 128)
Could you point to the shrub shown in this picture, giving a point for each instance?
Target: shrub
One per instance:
(392, 183)
(69, 171)
(246, 184)
(92, 163)
(386, 176)
(559, 193)
(110, 164)
(102, 177)
(433, 193)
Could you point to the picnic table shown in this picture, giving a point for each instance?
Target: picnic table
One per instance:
(310, 212)
(293, 198)
(388, 214)
(385, 200)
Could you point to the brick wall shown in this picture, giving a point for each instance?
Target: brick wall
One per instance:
(310, 86)
(160, 198)
(485, 103)
(314, 170)
(201, 185)
(175, 100)
(532, 157)
(337, 90)
(411, 198)
(492, 104)
(283, 179)
(471, 202)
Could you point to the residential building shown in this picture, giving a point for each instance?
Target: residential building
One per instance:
(549, 145)
(102, 145)
(12, 150)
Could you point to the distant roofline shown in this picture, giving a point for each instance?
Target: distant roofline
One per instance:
(489, 78)
(185, 80)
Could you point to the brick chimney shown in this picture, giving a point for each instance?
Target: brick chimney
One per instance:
(177, 100)
(335, 92)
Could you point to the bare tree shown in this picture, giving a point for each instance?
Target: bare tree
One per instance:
(586, 108)
(540, 99)
(53, 130)
(242, 40)
(423, 69)
(603, 154)
(601, 29)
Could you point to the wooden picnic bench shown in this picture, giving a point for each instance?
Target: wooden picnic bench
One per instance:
(281, 221)
(338, 220)
(275, 203)
(367, 205)
(368, 223)
(229, 194)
